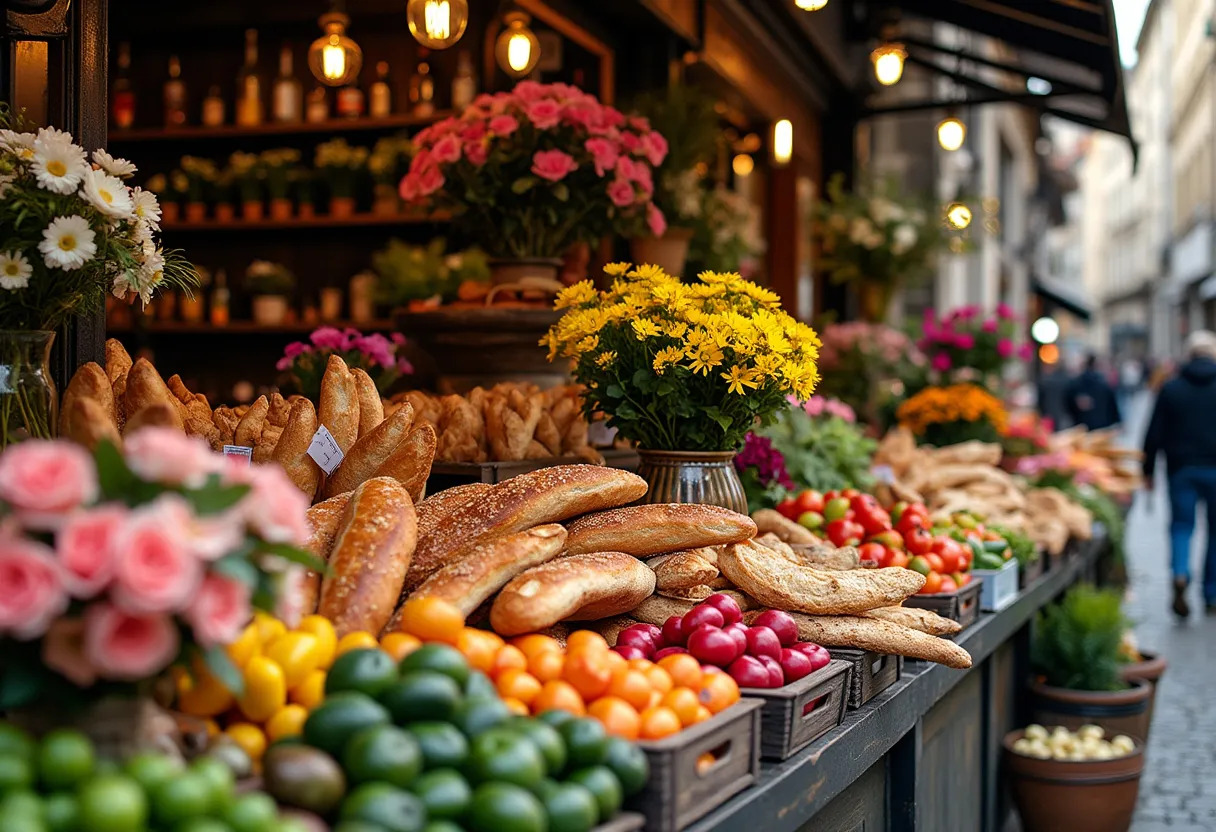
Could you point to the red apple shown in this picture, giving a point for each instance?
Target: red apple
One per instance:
(631, 652)
(761, 641)
(776, 675)
(703, 614)
(674, 634)
(819, 656)
(749, 672)
(726, 605)
(794, 664)
(641, 641)
(780, 623)
(667, 651)
(737, 631)
(710, 645)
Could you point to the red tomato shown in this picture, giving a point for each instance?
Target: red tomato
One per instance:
(918, 541)
(910, 521)
(830, 495)
(933, 584)
(872, 517)
(789, 509)
(873, 551)
(961, 578)
(845, 532)
(951, 553)
(810, 501)
(898, 558)
(948, 585)
(935, 561)
(850, 493)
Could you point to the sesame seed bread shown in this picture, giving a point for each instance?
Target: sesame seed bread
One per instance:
(657, 528)
(324, 518)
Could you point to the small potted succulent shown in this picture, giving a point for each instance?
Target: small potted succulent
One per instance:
(270, 284)
(225, 196)
(279, 165)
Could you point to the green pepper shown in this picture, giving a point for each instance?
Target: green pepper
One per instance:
(995, 546)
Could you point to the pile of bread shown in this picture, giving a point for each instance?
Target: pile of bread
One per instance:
(561, 544)
(1095, 454)
(508, 422)
(965, 477)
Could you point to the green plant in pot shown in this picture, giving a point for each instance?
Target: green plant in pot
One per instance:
(343, 168)
(249, 176)
(387, 163)
(406, 274)
(200, 179)
(685, 371)
(270, 284)
(278, 165)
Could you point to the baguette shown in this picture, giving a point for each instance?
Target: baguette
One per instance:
(339, 410)
(657, 608)
(442, 503)
(771, 521)
(827, 556)
(324, 519)
(370, 451)
(576, 588)
(548, 495)
(371, 407)
(410, 462)
(369, 559)
(657, 528)
(291, 452)
(89, 382)
(490, 566)
(85, 422)
(916, 618)
(682, 570)
(881, 637)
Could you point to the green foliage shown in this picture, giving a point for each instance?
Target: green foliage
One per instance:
(1077, 641)
(407, 272)
(822, 452)
(266, 278)
(1023, 548)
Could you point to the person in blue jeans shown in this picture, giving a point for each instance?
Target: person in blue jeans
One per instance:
(1183, 427)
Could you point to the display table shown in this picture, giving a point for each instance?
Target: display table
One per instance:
(925, 753)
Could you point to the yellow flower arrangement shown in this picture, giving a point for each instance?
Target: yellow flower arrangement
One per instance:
(947, 415)
(683, 366)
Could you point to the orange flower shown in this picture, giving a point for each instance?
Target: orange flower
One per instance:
(956, 403)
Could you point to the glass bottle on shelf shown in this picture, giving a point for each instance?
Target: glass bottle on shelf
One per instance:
(122, 97)
(464, 85)
(380, 95)
(175, 95)
(249, 106)
(213, 107)
(350, 101)
(220, 297)
(422, 87)
(288, 92)
(316, 108)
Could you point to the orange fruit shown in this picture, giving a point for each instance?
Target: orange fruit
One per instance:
(702, 714)
(684, 702)
(479, 647)
(584, 639)
(588, 672)
(656, 698)
(704, 762)
(508, 656)
(641, 664)
(547, 666)
(684, 670)
(617, 716)
(536, 643)
(515, 706)
(632, 686)
(518, 684)
(357, 640)
(399, 645)
(560, 696)
(616, 662)
(431, 619)
(718, 692)
(658, 678)
(658, 722)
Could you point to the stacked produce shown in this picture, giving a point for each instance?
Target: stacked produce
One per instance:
(1095, 458)
(1086, 743)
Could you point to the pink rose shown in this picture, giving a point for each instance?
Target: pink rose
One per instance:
(483, 101)
(603, 153)
(964, 341)
(655, 220)
(423, 160)
(621, 193)
(475, 131)
(503, 125)
(85, 545)
(63, 652)
(1004, 312)
(941, 362)
(220, 610)
(989, 326)
(476, 153)
(553, 165)
(155, 571)
(529, 91)
(128, 647)
(447, 126)
(276, 509)
(45, 480)
(631, 141)
(31, 591)
(627, 168)
(211, 537)
(583, 114)
(430, 180)
(1004, 348)
(655, 147)
(408, 189)
(446, 149)
(168, 456)
(544, 113)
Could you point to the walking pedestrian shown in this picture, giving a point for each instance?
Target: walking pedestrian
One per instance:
(1181, 427)
(1091, 398)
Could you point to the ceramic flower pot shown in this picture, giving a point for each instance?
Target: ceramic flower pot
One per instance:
(386, 201)
(225, 212)
(1118, 711)
(252, 210)
(307, 210)
(692, 477)
(281, 208)
(196, 211)
(1150, 668)
(512, 270)
(29, 402)
(269, 310)
(669, 252)
(342, 206)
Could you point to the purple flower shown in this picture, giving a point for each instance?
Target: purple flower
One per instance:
(327, 338)
(398, 338)
(296, 348)
(377, 348)
(1004, 348)
(1004, 312)
(942, 362)
(758, 452)
(964, 341)
(968, 312)
(990, 325)
(405, 367)
(1025, 352)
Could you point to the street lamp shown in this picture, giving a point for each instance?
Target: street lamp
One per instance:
(517, 50)
(888, 60)
(951, 133)
(437, 24)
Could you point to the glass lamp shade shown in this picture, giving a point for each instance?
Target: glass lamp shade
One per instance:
(437, 24)
(517, 49)
(888, 62)
(951, 133)
(810, 5)
(334, 58)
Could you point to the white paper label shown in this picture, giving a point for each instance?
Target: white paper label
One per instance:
(239, 451)
(599, 435)
(325, 451)
(884, 474)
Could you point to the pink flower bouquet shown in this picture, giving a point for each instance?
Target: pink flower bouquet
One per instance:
(966, 340)
(377, 354)
(113, 566)
(529, 173)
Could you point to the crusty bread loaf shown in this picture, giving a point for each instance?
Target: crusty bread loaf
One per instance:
(658, 608)
(442, 503)
(370, 556)
(370, 451)
(881, 637)
(339, 407)
(657, 528)
(577, 588)
(89, 382)
(916, 618)
(324, 519)
(145, 388)
(249, 429)
(155, 415)
(371, 407)
(491, 565)
(291, 452)
(685, 569)
(83, 421)
(826, 556)
(118, 365)
(410, 462)
(691, 593)
(548, 495)
(771, 521)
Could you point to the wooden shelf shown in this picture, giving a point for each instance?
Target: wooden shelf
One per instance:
(318, 221)
(243, 328)
(233, 131)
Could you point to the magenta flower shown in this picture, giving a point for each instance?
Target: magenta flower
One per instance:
(655, 220)
(941, 362)
(964, 340)
(1025, 352)
(544, 113)
(1004, 312)
(327, 338)
(503, 125)
(989, 326)
(621, 193)
(1004, 348)
(553, 165)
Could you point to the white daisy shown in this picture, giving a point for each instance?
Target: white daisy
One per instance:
(58, 165)
(107, 194)
(112, 165)
(146, 207)
(20, 145)
(15, 270)
(67, 243)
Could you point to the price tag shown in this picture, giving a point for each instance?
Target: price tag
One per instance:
(599, 435)
(240, 452)
(324, 450)
(884, 474)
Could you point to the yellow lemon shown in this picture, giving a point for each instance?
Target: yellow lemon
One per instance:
(323, 629)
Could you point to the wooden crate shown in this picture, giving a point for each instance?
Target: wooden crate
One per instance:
(962, 606)
(1033, 571)
(801, 712)
(677, 793)
(449, 474)
(871, 673)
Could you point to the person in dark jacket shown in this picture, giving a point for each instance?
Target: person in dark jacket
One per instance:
(1182, 428)
(1091, 399)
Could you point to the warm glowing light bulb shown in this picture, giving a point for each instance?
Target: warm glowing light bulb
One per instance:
(743, 165)
(958, 215)
(438, 17)
(333, 59)
(519, 51)
(437, 24)
(810, 5)
(951, 133)
(783, 141)
(1045, 330)
(888, 62)
(517, 48)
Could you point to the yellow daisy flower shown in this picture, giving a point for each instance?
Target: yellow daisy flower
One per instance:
(605, 358)
(617, 269)
(666, 357)
(645, 328)
(576, 295)
(737, 379)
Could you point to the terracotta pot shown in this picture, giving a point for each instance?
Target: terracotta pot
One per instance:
(670, 252)
(170, 211)
(1118, 711)
(281, 208)
(253, 210)
(269, 310)
(307, 210)
(1150, 668)
(196, 211)
(692, 477)
(225, 212)
(342, 206)
(512, 270)
(192, 308)
(1073, 795)
(385, 201)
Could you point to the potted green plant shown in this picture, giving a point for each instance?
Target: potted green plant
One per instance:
(387, 163)
(249, 174)
(169, 190)
(1077, 661)
(278, 165)
(270, 284)
(342, 167)
(200, 177)
(407, 273)
(225, 196)
(304, 185)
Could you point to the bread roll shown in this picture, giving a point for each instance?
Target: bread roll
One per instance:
(770, 521)
(370, 451)
(324, 519)
(410, 462)
(576, 588)
(442, 503)
(686, 569)
(145, 388)
(371, 407)
(369, 558)
(548, 495)
(155, 415)
(118, 365)
(291, 452)
(89, 382)
(249, 429)
(83, 421)
(657, 528)
(339, 410)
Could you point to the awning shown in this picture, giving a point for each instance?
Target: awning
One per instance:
(1063, 295)
(1062, 56)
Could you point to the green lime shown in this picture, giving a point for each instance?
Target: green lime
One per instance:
(421, 696)
(570, 807)
(61, 812)
(443, 792)
(544, 737)
(14, 740)
(628, 763)
(202, 825)
(442, 826)
(382, 753)
(340, 717)
(442, 744)
(149, 769)
(440, 657)
(476, 715)
(16, 772)
(394, 809)
(505, 756)
(188, 795)
(479, 686)
(602, 783)
(21, 802)
(368, 671)
(64, 759)
(555, 718)
(219, 776)
(112, 803)
(586, 742)
(252, 812)
(503, 807)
